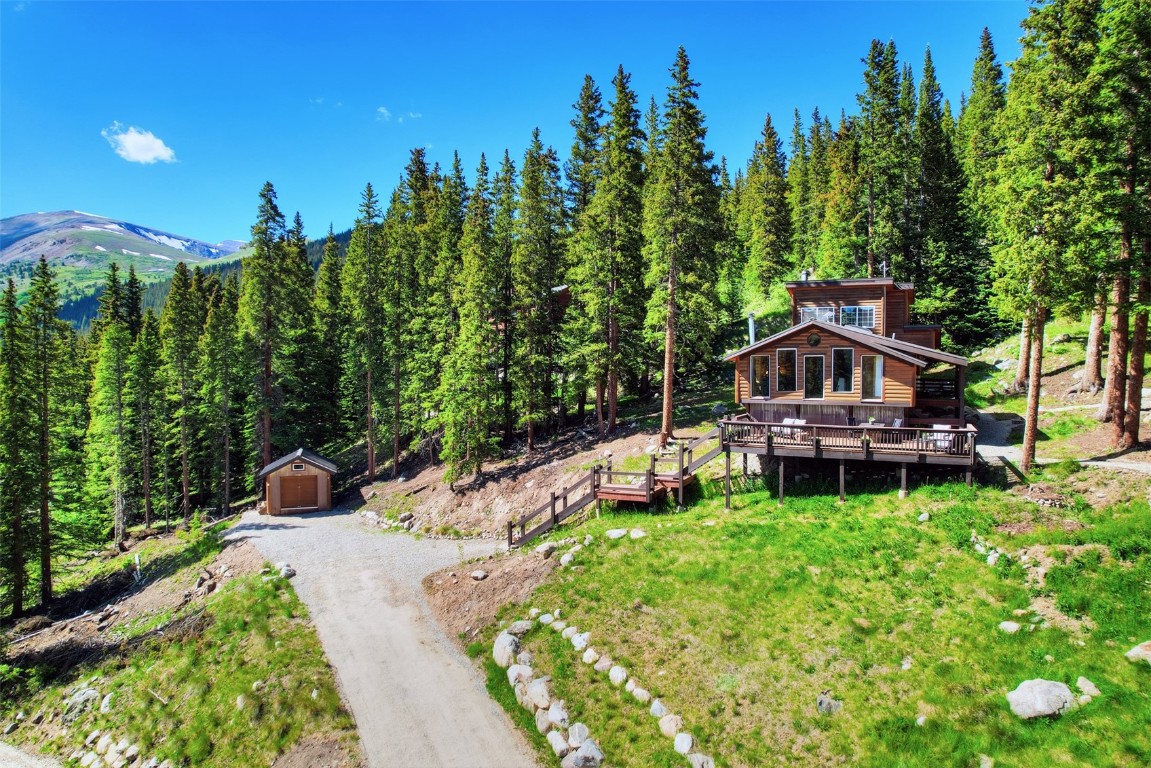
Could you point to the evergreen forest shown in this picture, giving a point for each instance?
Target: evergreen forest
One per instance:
(478, 310)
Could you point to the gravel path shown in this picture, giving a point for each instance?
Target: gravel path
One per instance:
(11, 757)
(417, 700)
(992, 443)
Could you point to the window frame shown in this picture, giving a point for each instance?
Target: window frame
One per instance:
(299, 467)
(855, 309)
(822, 377)
(754, 382)
(850, 371)
(779, 388)
(818, 311)
(863, 393)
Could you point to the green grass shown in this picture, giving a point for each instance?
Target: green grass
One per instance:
(740, 625)
(176, 695)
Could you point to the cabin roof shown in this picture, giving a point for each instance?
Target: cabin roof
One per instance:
(300, 454)
(904, 350)
(882, 281)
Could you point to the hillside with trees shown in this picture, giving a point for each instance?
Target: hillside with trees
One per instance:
(472, 315)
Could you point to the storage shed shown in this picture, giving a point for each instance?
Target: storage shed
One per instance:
(298, 482)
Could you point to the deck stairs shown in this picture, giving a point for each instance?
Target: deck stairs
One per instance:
(669, 471)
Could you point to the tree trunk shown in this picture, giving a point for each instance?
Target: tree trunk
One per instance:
(599, 416)
(185, 502)
(266, 408)
(1024, 353)
(1031, 429)
(370, 436)
(45, 470)
(146, 475)
(18, 574)
(871, 226)
(396, 419)
(1092, 380)
(1135, 367)
(665, 431)
(581, 404)
(612, 367)
(227, 506)
(1115, 393)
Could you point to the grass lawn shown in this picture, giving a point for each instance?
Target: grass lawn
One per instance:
(738, 627)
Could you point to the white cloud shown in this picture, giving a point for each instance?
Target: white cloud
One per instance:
(410, 116)
(138, 146)
(383, 115)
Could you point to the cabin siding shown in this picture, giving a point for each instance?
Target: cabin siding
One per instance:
(898, 381)
(896, 314)
(323, 486)
(743, 379)
(925, 337)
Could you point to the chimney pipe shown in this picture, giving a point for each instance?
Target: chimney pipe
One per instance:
(750, 328)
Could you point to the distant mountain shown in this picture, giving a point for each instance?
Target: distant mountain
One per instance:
(79, 246)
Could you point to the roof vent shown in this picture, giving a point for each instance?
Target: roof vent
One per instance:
(804, 275)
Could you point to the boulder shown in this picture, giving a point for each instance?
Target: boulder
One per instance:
(636, 533)
(525, 658)
(617, 675)
(519, 673)
(543, 725)
(906, 663)
(1087, 687)
(670, 725)
(567, 558)
(590, 656)
(826, 704)
(993, 558)
(79, 703)
(1040, 698)
(629, 686)
(547, 618)
(559, 626)
(926, 516)
(106, 704)
(569, 632)
(1141, 652)
(405, 517)
(558, 714)
(604, 664)
(657, 708)
(547, 549)
(921, 721)
(700, 760)
(616, 533)
(10, 728)
(92, 738)
(558, 743)
(522, 699)
(479, 575)
(539, 693)
(104, 744)
(580, 640)
(534, 613)
(287, 572)
(588, 755)
(88, 759)
(1010, 627)
(577, 734)
(1062, 338)
(684, 742)
(505, 648)
(642, 696)
(519, 628)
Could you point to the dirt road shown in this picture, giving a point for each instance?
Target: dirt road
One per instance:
(417, 700)
(10, 757)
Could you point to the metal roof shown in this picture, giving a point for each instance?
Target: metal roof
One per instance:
(300, 454)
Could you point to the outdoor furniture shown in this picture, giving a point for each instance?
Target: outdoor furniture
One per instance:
(944, 440)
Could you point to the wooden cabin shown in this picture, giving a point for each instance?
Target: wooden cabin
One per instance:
(298, 482)
(851, 357)
(851, 380)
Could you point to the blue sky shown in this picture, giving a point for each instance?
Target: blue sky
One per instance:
(172, 115)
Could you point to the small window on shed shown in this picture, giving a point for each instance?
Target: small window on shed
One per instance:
(297, 467)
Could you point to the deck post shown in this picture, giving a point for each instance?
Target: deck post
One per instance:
(554, 522)
(903, 480)
(511, 529)
(744, 462)
(969, 477)
(595, 489)
(727, 478)
(679, 490)
(781, 481)
(960, 385)
(842, 482)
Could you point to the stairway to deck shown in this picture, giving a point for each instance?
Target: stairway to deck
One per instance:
(671, 471)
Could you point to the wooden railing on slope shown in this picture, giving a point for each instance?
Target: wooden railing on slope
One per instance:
(560, 507)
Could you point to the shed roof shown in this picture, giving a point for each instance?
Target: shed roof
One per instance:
(915, 354)
(300, 454)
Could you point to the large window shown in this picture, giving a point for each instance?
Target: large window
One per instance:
(785, 371)
(871, 368)
(861, 317)
(824, 314)
(842, 375)
(760, 376)
(813, 376)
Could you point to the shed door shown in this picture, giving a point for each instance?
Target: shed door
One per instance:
(299, 491)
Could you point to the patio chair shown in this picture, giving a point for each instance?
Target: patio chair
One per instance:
(943, 441)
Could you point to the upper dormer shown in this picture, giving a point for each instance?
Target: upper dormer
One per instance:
(876, 304)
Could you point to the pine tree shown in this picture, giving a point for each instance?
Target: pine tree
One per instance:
(581, 169)
(843, 238)
(259, 319)
(978, 144)
(69, 418)
(799, 193)
(18, 479)
(879, 155)
(294, 359)
(504, 318)
(470, 387)
(536, 258)
(764, 217)
(111, 303)
(330, 320)
(107, 442)
(145, 390)
(219, 377)
(605, 276)
(46, 331)
(179, 334)
(133, 302)
(681, 227)
(362, 290)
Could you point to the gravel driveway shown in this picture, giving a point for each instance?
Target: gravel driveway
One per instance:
(416, 699)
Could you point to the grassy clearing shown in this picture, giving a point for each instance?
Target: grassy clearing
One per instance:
(236, 680)
(738, 626)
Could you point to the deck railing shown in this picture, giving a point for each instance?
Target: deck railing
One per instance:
(912, 441)
(937, 389)
(560, 507)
